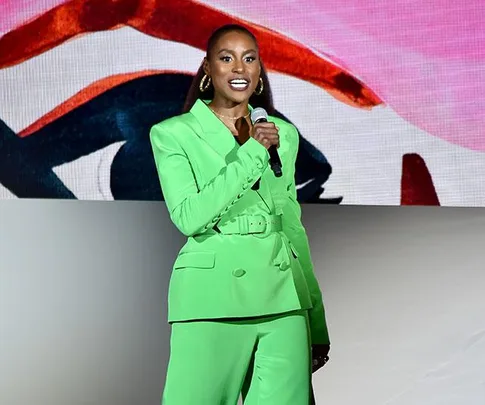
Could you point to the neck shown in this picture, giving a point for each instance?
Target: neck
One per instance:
(229, 109)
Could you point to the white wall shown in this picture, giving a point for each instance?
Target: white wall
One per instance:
(83, 289)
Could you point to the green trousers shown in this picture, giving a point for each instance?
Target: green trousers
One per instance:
(267, 359)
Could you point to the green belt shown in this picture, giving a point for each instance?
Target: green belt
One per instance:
(251, 224)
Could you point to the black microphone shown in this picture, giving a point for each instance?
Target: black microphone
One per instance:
(260, 115)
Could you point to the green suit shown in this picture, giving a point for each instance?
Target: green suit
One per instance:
(247, 253)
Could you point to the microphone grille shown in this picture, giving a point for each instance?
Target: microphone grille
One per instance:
(258, 113)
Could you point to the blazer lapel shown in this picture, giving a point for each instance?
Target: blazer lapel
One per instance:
(214, 132)
(221, 140)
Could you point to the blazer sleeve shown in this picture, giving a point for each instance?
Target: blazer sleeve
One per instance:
(194, 211)
(295, 232)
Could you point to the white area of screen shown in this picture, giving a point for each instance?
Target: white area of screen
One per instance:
(365, 148)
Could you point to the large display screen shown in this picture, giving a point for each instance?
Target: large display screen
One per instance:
(388, 96)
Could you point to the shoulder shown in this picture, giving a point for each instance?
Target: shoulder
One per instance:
(175, 123)
(176, 128)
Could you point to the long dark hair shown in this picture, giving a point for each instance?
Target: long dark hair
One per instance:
(264, 100)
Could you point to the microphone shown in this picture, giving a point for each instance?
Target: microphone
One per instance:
(260, 115)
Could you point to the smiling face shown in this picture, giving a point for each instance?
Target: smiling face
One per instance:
(234, 67)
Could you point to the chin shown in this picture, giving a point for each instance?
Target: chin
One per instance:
(239, 97)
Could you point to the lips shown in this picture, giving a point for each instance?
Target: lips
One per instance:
(239, 84)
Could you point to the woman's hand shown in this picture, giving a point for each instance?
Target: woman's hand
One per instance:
(266, 133)
(319, 356)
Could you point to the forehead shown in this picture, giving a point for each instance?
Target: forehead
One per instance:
(235, 40)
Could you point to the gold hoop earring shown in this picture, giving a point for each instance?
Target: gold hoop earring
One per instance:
(205, 83)
(259, 91)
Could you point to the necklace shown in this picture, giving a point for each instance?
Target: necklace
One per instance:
(228, 118)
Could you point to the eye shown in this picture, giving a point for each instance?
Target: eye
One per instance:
(225, 58)
(250, 59)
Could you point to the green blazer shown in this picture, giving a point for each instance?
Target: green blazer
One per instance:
(247, 253)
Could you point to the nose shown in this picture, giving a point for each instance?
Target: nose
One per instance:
(238, 66)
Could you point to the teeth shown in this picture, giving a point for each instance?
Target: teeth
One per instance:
(239, 83)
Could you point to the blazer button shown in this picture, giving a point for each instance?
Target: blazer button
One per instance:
(238, 273)
(259, 165)
(245, 186)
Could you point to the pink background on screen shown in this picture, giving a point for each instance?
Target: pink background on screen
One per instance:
(426, 60)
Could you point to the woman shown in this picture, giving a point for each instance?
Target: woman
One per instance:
(245, 306)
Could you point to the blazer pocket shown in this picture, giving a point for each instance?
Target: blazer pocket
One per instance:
(199, 260)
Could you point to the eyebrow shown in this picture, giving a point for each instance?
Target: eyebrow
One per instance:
(229, 51)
